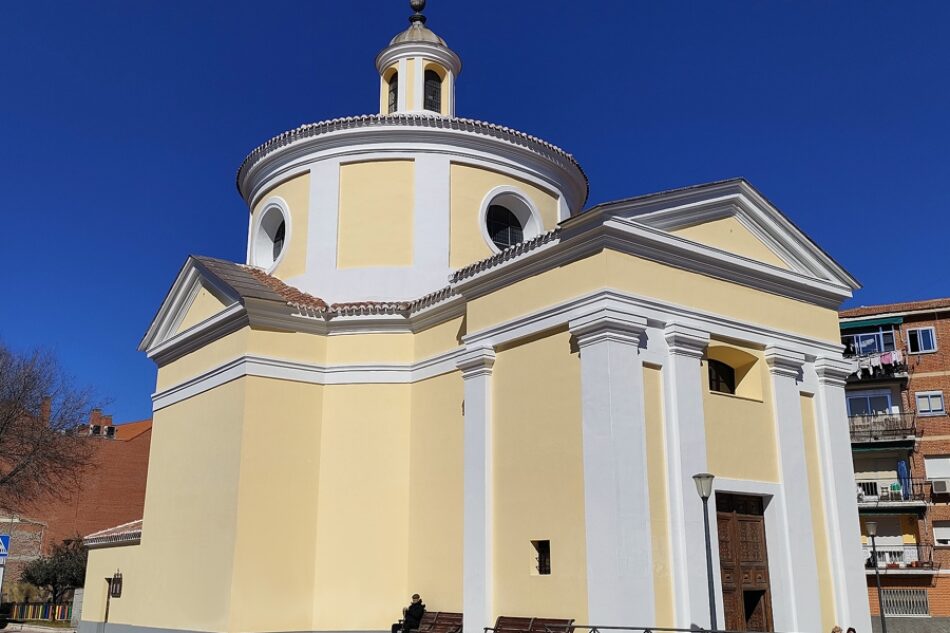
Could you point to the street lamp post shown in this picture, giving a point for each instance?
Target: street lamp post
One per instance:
(871, 527)
(704, 485)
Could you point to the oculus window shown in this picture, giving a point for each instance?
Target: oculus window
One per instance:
(504, 228)
(270, 237)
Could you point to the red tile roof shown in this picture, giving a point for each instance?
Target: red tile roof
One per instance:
(888, 308)
(129, 430)
(126, 533)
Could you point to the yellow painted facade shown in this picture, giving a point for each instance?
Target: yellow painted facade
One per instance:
(204, 306)
(543, 494)
(730, 235)
(819, 521)
(296, 193)
(741, 438)
(315, 462)
(659, 500)
(375, 225)
(469, 185)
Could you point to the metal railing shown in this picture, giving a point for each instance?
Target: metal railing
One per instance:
(909, 556)
(590, 628)
(905, 602)
(892, 490)
(882, 427)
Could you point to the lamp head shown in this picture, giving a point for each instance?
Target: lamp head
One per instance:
(871, 528)
(704, 484)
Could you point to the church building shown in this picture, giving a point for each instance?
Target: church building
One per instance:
(438, 372)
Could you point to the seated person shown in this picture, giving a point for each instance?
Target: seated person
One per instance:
(411, 615)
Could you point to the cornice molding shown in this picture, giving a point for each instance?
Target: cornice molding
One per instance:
(608, 322)
(682, 340)
(476, 361)
(833, 372)
(403, 132)
(784, 362)
(442, 54)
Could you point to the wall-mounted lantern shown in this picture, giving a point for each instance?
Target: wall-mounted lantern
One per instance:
(115, 585)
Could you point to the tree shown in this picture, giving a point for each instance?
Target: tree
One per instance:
(62, 570)
(40, 413)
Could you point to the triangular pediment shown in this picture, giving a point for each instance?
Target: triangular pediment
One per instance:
(195, 298)
(733, 217)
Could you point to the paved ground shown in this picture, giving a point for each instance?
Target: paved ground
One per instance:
(912, 625)
(34, 628)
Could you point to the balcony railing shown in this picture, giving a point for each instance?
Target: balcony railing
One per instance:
(892, 491)
(909, 558)
(883, 427)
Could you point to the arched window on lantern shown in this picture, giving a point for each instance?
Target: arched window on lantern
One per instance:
(433, 91)
(393, 93)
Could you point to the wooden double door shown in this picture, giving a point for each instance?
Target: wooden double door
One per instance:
(744, 563)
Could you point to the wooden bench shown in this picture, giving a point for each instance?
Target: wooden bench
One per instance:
(510, 624)
(440, 622)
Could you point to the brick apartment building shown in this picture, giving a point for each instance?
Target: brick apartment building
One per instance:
(111, 491)
(900, 438)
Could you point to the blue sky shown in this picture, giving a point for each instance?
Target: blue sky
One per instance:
(123, 124)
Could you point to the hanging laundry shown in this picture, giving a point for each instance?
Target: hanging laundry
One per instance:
(875, 361)
(887, 358)
(898, 357)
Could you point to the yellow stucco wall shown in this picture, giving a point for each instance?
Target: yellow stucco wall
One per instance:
(740, 432)
(439, 338)
(296, 193)
(384, 80)
(539, 469)
(191, 506)
(436, 492)
(362, 534)
(204, 306)
(826, 589)
(728, 234)
(611, 269)
(210, 356)
(409, 84)
(348, 349)
(659, 501)
(469, 185)
(274, 551)
(375, 218)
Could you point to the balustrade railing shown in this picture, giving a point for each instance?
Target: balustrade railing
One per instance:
(892, 490)
(907, 556)
(882, 427)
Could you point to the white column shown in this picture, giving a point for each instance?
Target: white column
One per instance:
(686, 456)
(796, 602)
(616, 482)
(476, 365)
(838, 488)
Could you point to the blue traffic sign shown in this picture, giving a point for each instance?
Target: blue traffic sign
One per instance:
(4, 545)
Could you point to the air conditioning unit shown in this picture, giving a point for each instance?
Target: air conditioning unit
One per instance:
(941, 486)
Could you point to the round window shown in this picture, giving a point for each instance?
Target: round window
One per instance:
(504, 229)
(508, 218)
(270, 238)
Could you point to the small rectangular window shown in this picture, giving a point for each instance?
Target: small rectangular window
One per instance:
(722, 377)
(930, 403)
(921, 340)
(542, 550)
(937, 467)
(942, 532)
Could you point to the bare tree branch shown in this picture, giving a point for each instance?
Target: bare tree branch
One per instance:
(41, 452)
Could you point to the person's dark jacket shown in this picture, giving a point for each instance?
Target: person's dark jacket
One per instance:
(413, 616)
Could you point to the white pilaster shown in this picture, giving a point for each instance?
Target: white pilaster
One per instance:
(401, 88)
(686, 456)
(418, 80)
(795, 598)
(430, 218)
(476, 366)
(616, 482)
(838, 488)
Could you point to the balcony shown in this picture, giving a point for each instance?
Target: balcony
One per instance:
(891, 494)
(906, 559)
(878, 366)
(885, 429)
